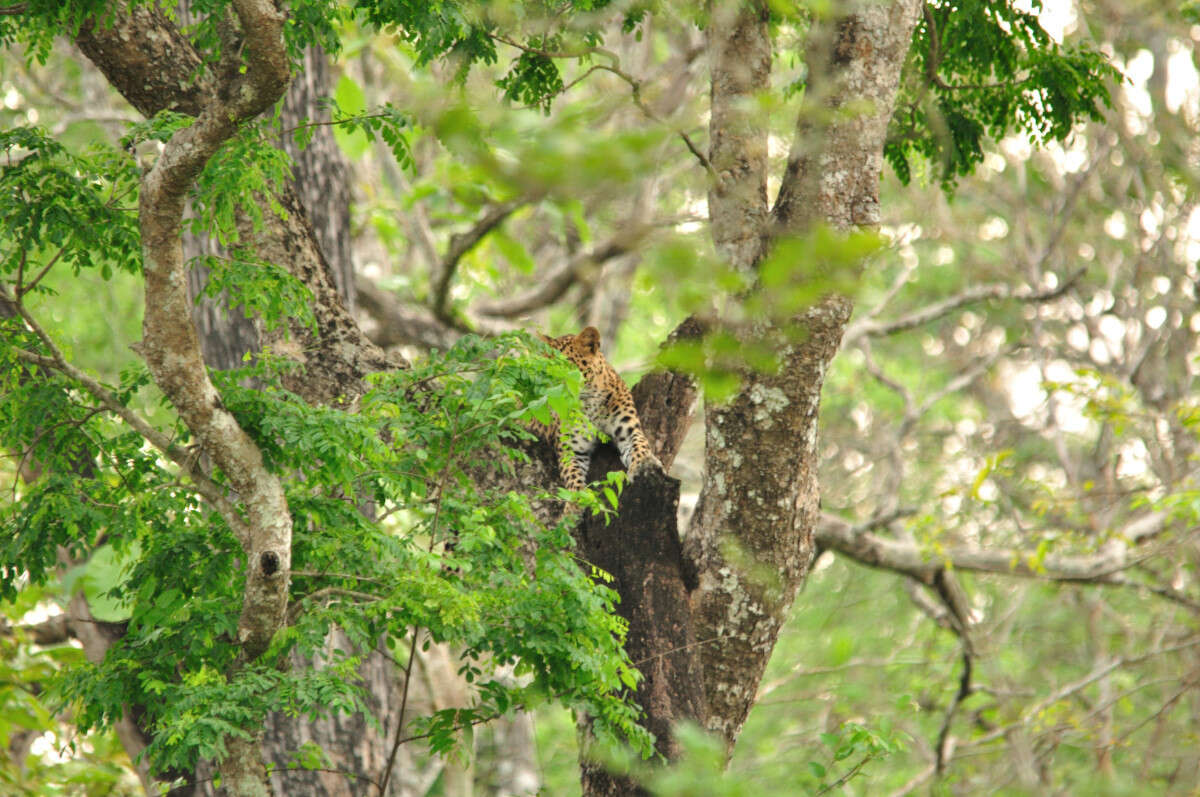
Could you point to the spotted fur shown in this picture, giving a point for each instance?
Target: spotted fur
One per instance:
(608, 404)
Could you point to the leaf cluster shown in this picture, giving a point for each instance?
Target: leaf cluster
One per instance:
(41, 20)
(240, 181)
(980, 70)
(464, 33)
(440, 553)
(59, 207)
(263, 290)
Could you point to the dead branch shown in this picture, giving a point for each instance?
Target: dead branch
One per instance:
(461, 244)
(976, 293)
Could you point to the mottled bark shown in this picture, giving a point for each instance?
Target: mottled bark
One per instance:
(226, 333)
(319, 170)
(357, 750)
(146, 58)
(837, 155)
(400, 324)
(739, 54)
(337, 361)
(338, 355)
(751, 538)
(751, 535)
(666, 401)
(641, 549)
(262, 523)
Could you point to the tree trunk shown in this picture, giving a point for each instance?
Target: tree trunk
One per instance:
(750, 538)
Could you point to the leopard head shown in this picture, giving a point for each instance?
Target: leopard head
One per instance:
(582, 349)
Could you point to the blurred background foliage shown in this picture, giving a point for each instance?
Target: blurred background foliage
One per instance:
(1046, 416)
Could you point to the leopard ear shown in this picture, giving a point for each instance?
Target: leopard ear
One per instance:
(589, 339)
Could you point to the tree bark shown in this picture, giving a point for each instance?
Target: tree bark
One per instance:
(641, 549)
(338, 355)
(751, 538)
(172, 351)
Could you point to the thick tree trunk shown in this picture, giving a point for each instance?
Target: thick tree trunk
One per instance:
(751, 536)
(320, 175)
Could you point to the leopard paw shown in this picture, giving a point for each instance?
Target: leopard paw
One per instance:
(644, 465)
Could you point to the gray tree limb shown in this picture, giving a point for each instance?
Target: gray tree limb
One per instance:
(173, 354)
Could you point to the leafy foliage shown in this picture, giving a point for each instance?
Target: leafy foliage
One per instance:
(41, 20)
(984, 70)
(448, 559)
(237, 182)
(59, 207)
(263, 290)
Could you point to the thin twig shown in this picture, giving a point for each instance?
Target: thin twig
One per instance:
(412, 648)
(555, 284)
(635, 86)
(849, 774)
(212, 491)
(934, 60)
(942, 748)
(1075, 686)
(412, 657)
(24, 289)
(332, 122)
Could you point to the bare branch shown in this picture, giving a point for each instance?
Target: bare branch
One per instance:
(147, 58)
(173, 354)
(462, 243)
(973, 294)
(401, 324)
(944, 747)
(739, 57)
(1103, 568)
(1033, 711)
(171, 346)
(52, 631)
(555, 284)
(830, 176)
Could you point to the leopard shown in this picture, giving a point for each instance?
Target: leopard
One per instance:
(609, 406)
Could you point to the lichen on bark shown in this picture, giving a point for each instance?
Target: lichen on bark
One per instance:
(172, 351)
(751, 537)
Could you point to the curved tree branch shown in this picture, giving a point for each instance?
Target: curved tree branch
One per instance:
(556, 283)
(172, 348)
(1106, 567)
(461, 243)
(976, 293)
